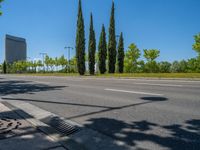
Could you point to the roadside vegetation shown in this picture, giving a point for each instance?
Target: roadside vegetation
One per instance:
(0, 7)
(108, 58)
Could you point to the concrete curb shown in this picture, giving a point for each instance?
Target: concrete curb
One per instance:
(85, 139)
(19, 133)
(104, 78)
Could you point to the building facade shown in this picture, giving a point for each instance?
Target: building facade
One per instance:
(15, 49)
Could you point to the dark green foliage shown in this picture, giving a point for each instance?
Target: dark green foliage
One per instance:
(180, 67)
(92, 47)
(112, 42)
(131, 58)
(141, 66)
(121, 54)
(4, 67)
(196, 45)
(151, 66)
(0, 7)
(183, 66)
(193, 65)
(80, 42)
(102, 48)
(164, 67)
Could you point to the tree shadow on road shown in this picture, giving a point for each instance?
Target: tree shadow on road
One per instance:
(104, 108)
(21, 87)
(137, 134)
(154, 99)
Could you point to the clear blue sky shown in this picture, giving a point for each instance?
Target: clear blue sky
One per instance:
(50, 25)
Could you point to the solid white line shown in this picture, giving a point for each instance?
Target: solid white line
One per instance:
(39, 82)
(134, 92)
(168, 85)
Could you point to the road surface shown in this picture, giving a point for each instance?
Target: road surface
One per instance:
(144, 114)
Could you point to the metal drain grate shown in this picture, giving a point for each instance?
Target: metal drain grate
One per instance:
(7, 125)
(60, 125)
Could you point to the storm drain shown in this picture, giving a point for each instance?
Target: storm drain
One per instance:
(61, 125)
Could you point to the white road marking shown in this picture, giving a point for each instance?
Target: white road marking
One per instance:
(168, 85)
(133, 92)
(40, 82)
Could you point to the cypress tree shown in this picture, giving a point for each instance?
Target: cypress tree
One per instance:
(92, 47)
(112, 42)
(80, 42)
(4, 67)
(121, 54)
(0, 7)
(102, 48)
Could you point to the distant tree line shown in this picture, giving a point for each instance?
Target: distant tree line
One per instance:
(57, 64)
(132, 63)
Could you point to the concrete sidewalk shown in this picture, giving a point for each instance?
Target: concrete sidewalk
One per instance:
(18, 134)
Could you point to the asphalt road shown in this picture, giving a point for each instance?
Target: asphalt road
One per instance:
(144, 114)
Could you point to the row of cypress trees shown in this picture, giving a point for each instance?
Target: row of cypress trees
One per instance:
(103, 48)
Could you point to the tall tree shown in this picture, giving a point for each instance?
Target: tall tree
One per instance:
(151, 55)
(92, 47)
(102, 48)
(131, 59)
(4, 67)
(121, 54)
(112, 42)
(80, 41)
(47, 62)
(0, 7)
(62, 61)
(196, 45)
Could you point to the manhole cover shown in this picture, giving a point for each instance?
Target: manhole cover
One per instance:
(7, 125)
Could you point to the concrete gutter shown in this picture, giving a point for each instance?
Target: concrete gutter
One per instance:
(84, 139)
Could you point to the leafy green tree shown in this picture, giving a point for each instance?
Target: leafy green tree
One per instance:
(56, 61)
(151, 55)
(131, 59)
(175, 68)
(73, 64)
(193, 65)
(47, 62)
(102, 51)
(34, 66)
(92, 47)
(112, 42)
(196, 45)
(141, 66)
(164, 67)
(39, 64)
(121, 54)
(28, 66)
(0, 7)
(51, 63)
(80, 41)
(4, 67)
(20, 66)
(183, 66)
(180, 66)
(62, 61)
